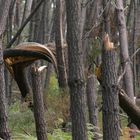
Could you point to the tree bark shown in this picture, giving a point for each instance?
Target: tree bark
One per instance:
(128, 77)
(76, 80)
(137, 42)
(62, 75)
(38, 105)
(110, 94)
(4, 132)
(92, 102)
(130, 108)
(109, 78)
(91, 97)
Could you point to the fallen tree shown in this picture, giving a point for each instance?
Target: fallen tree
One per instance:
(129, 107)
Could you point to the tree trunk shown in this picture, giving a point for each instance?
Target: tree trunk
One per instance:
(92, 102)
(8, 79)
(110, 93)
(17, 14)
(130, 108)
(26, 13)
(38, 105)
(4, 132)
(137, 42)
(27, 10)
(109, 78)
(76, 80)
(62, 75)
(128, 77)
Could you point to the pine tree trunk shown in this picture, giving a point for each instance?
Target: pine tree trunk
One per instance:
(110, 95)
(62, 75)
(109, 79)
(92, 102)
(76, 80)
(4, 132)
(38, 105)
(128, 77)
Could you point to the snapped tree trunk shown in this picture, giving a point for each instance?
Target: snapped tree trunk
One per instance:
(38, 105)
(110, 93)
(4, 132)
(109, 78)
(76, 80)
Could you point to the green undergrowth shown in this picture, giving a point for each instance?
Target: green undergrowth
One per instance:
(22, 124)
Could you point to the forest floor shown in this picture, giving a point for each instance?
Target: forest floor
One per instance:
(22, 125)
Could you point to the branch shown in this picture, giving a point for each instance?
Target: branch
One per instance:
(135, 53)
(24, 24)
(126, 62)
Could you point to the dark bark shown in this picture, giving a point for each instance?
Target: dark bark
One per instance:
(38, 105)
(17, 14)
(76, 80)
(62, 75)
(8, 79)
(91, 100)
(92, 103)
(4, 132)
(109, 78)
(110, 96)
(130, 108)
(128, 105)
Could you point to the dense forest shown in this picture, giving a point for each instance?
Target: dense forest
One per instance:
(69, 69)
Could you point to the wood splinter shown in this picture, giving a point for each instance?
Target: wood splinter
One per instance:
(107, 43)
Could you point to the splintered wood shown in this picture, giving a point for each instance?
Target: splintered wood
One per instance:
(107, 43)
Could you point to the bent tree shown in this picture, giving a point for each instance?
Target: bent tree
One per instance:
(76, 80)
(4, 132)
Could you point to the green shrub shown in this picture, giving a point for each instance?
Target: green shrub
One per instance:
(21, 122)
(58, 134)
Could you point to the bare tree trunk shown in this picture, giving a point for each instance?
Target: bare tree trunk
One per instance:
(128, 77)
(90, 20)
(27, 10)
(92, 102)
(18, 14)
(110, 94)
(26, 13)
(8, 79)
(62, 75)
(137, 42)
(38, 105)
(51, 38)
(4, 132)
(110, 109)
(76, 74)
